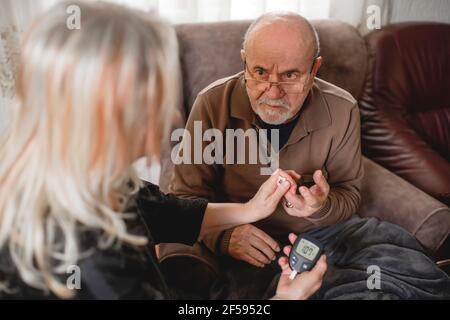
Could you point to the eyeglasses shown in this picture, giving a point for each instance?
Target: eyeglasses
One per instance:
(293, 83)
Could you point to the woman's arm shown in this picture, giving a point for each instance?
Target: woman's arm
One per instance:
(172, 219)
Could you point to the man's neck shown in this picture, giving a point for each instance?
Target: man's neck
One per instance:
(284, 130)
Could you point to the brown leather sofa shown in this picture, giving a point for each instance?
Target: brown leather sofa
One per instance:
(209, 51)
(405, 106)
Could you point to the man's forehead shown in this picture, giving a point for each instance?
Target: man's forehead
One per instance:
(284, 60)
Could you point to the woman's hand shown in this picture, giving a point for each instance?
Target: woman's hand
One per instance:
(304, 284)
(222, 216)
(266, 200)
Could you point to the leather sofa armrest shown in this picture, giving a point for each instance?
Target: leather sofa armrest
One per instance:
(390, 198)
(189, 269)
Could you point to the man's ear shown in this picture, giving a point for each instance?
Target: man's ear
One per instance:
(243, 55)
(316, 66)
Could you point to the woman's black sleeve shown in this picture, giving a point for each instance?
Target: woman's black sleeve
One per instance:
(168, 218)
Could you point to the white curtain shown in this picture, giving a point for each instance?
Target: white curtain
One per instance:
(184, 11)
(15, 16)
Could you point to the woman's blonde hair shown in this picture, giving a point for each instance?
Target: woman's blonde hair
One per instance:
(90, 102)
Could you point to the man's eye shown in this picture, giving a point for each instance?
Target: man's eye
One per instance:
(290, 75)
(260, 72)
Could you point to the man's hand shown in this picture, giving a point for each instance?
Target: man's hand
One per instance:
(304, 284)
(310, 200)
(252, 245)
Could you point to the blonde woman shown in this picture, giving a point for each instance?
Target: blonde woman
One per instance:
(91, 102)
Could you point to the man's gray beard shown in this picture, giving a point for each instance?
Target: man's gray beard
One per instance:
(276, 118)
(280, 117)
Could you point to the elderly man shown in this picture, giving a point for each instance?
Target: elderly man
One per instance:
(319, 140)
(318, 129)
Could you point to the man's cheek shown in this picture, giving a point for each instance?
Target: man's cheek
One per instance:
(253, 99)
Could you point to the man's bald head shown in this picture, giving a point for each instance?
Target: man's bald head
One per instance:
(298, 25)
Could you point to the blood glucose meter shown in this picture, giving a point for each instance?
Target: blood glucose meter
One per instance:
(304, 254)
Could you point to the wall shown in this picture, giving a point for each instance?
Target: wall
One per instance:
(420, 10)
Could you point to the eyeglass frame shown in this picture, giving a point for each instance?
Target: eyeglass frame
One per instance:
(277, 83)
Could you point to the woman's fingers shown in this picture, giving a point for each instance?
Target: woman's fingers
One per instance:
(284, 175)
(287, 250)
(312, 280)
(295, 176)
(284, 264)
(271, 184)
(280, 191)
(292, 237)
(321, 266)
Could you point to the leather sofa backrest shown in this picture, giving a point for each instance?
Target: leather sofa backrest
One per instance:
(410, 79)
(210, 51)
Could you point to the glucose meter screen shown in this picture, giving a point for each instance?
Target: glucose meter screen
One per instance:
(307, 249)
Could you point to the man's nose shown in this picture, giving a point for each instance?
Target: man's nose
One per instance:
(274, 92)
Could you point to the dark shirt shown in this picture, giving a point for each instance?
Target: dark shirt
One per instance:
(124, 271)
(284, 130)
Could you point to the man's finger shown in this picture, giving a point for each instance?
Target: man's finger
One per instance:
(253, 261)
(320, 180)
(293, 174)
(315, 190)
(297, 201)
(268, 239)
(310, 199)
(258, 255)
(262, 246)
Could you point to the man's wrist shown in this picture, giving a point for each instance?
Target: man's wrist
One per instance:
(225, 241)
(322, 211)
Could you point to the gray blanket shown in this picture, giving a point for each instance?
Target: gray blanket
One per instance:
(367, 259)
